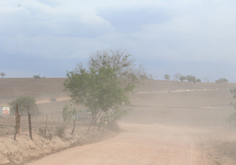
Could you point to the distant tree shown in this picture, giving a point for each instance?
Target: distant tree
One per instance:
(191, 78)
(199, 80)
(143, 77)
(182, 78)
(206, 79)
(36, 77)
(2, 74)
(167, 77)
(177, 76)
(221, 81)
(23, 102)
(150, 77)
(132, 77)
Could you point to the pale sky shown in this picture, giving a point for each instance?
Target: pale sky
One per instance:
(49, 37)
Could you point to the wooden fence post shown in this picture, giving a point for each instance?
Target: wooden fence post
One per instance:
(17, 120)
(45, 131)
(30, 127)
(17, 127)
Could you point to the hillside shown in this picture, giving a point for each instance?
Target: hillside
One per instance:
(11, 88)
(199, 115)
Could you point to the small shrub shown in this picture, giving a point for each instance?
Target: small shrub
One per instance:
(49, 133)
(41, 131)
(60, 131)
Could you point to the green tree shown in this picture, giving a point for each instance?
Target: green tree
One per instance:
(167, 77)
(177, 76)
(206, 79)
(221, 81)
(182, 78)
(121, 61)
(143, 77)
(68, 113)
(36, 77)
(191, 78)
(23, 102)
(98, 89)
(2, 74)
(198, 80)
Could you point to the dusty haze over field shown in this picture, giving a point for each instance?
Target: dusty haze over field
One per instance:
(180, 127)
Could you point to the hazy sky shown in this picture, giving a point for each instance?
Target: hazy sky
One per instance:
(48, 37)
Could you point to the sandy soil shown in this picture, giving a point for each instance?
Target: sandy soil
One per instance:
(164, 128)
(137, 144)
(177, 127)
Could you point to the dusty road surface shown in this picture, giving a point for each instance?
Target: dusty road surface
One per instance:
(137, 144)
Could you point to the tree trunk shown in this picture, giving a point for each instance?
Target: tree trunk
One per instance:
(101, 121)
(45, 131)
(99, 114)
(91, 123)
(30, 128)
(72, 132)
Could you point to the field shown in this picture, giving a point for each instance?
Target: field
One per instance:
(162, 115)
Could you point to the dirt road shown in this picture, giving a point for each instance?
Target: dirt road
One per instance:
(138, 144)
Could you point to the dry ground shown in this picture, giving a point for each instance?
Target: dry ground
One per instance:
(163, 127)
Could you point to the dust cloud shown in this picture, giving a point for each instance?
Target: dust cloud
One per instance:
(174, 116)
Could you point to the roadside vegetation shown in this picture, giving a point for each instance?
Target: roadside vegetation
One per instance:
(103, 86)
(23, 102)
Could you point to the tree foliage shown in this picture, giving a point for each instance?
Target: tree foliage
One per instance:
(98, 90)
(221, 81)
(191, 78)
(167, 77)
(206, 79)
(68, 112)
(2, 74)
(121, 61)
(182, 78)
(23, 102)
(36, 77)
(103, 86)
(177, 76)
(198, 80)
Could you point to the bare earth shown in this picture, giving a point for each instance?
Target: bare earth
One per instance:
(139, 144)
(186, 127)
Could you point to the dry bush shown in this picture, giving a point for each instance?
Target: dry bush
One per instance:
(41, 131)
(60, 131)
(49, 133)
